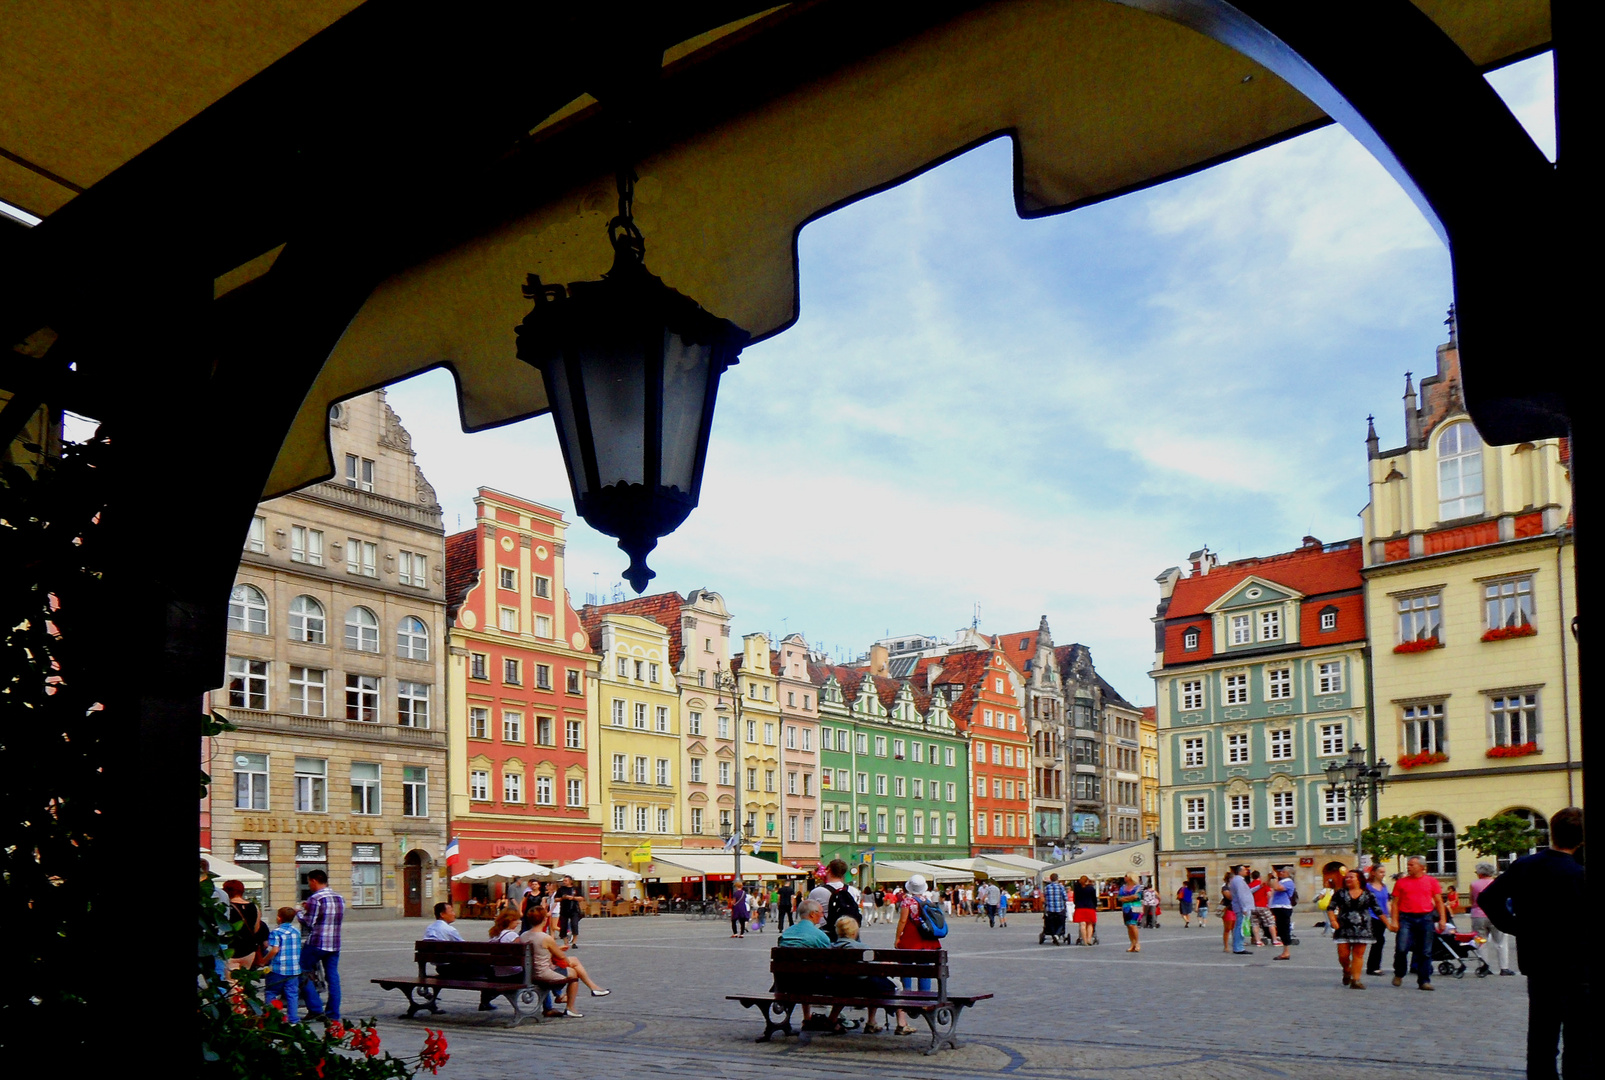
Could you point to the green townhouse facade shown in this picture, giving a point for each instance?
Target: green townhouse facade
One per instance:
(894, 770)
(1260, 684)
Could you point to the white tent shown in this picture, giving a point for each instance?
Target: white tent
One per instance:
(504, 868)
(590, 869)
(706, 861)
(888, 871)
(1021, 862)
(226, 871)
(1110, 860)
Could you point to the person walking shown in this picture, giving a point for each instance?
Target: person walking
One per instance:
(869, 905)
(1184, 906)
(1263, 925)
(1085, 898)
(1201, 903)
(786, 901)
(1538, 900)
(1004, 899)
(1494, 939)
(1284, 894)
(1055, 908)
(738, 912)
(908, 936)
(1242, 909)
(1130, 899)
(1228, 917)
(994, 897)
(323, 916)
(283, 959)
(1418, 909)
(252, 935)
(568, 912)
(1377, 885)
(1350, 914)
(1150, 908)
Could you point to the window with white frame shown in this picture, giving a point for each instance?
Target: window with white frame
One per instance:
(507, 619)
(247, 683)
(1192, 752)
(1237, 749)
(1270, 625)
(1236, 689)
(1192, 695)
(1329, 677)
(362, 630)
(307, 622)
(723, 727)
(1334, 807)
(412, 568)
(512, 726)
(696, 819)
(1239, 812)
(308, 691)
(662, 770)
(724, 773)
(507, 578)
(1420, 617)
(412, 638)
(362, 698)
(663, 819)
(362, 557)
(653, 673)
(479, 785)
(980, 786)
(642, 817)
(1282, 809)
(543, 791)
(662, 718)
(1329, 619)
(543, 731)
(1281, 744)
(306, 545)
(576, 792)
(311, 785)
(1242, 629)
(1279, 683)
(1459, 472)
(693, 723)
(620, 821)
(256, 538)
(247, 609)
(365, 788)
(640, 715)
(696, 770)
(1189, 640)
(880, 783)
(618, 712)
(574, 734)
(1331, 738)
(359, 472)
(412, 704)
(250, 781)
(478, 722)
(997, 753)
(640, 770)
(543, 626)
(807, 741)
(1508, 604)
(621, 765)
(513, 788)
(1424, 728)
(1195, 814)
(1513, 718)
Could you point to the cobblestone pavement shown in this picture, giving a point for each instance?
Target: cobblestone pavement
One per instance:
(1180, 1009)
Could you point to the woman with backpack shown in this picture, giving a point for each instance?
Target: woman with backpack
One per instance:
(913, 921)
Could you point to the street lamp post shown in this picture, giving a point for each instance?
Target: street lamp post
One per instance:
(1358, 783)
(728, 680)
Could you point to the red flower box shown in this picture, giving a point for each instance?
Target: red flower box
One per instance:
(1411, 761)
(1519, 750)
(1421, 645)
(1502, 633)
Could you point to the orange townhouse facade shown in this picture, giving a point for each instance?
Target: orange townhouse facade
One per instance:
(987, 696)
(522, 764)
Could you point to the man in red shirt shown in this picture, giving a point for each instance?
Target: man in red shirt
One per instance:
(1418, 903)
(1264, 922)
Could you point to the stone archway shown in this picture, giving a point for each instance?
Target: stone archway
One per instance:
(415, 873)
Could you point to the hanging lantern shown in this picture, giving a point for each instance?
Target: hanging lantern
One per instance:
(632, 370)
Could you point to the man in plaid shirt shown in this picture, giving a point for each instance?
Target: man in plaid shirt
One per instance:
(1055, 905)
(283, 954)
(322, 915)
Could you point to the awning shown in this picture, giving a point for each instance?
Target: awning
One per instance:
(226, 871)
(710, 862)
(888, 871)
(593, 869)
(1018, 862)
(1110, 861)
(504, 868)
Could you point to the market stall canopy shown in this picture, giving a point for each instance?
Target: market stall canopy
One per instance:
(1110, 860)
(237, 144)
(708, 861)
(226, 870)
(504, 868)
(1018, 862)
(888, 871)
(593, 869)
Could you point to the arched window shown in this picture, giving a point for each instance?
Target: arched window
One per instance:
(362, 630)
(247, 610)
(412, 639)
(1440, 855)
(1459, 472)
(306, 621)
(1540, 825)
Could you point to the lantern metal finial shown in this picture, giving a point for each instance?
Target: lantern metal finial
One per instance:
(631, 369)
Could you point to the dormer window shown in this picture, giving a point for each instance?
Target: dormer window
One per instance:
(1459, 472)
(1242, 630)
(1329, 618)
(1270, 625)
(1189, 640)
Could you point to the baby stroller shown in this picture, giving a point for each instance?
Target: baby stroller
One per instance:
(1052, 928)
(1451, 950)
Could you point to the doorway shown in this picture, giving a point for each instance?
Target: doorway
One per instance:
(412, 890)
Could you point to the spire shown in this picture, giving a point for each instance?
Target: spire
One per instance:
(1412, 415)
(1371, 442)
(1453, 323)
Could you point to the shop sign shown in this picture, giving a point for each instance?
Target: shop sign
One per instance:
(250, 851)
(312, 853)
(523, 851)
(305, 826)
(1306, 861)
(364, 852)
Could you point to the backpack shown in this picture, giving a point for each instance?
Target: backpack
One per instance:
(841, 905)
(931, 922)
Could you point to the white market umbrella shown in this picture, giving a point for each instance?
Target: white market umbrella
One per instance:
(503, 869)
(589, 869)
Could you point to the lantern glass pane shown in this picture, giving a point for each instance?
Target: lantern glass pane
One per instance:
(615, 396)
(562, 402)
(685, 396)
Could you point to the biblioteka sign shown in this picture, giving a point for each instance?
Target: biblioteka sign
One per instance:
(305, 826)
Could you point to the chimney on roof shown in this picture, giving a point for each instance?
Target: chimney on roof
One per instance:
(1309, 543)
(1412, 415)
(878, 656)
(1203, 560)
(1372, 446)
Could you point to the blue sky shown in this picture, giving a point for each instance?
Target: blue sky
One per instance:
(1037, 416)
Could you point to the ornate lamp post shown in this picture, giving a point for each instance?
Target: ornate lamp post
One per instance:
(726, 680)
(1358, 783)
(631, 369)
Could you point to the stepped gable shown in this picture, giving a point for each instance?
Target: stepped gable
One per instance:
(462, 568)
(1311, 570)
(662, 608)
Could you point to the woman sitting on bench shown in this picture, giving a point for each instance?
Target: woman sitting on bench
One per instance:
(554, 966)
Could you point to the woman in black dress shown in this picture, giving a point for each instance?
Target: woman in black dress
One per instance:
(1350, 912)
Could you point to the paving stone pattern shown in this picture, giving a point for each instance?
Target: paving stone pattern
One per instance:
(1180, 1009)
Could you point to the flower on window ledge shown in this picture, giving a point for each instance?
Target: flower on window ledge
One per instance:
(1419, 645)
(1411, 761)
(1501, 633)
(1518, 750)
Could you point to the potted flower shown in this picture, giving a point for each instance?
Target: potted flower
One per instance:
(1503, 633)
(1426, 757)
(1419, 645)
(1516, 750)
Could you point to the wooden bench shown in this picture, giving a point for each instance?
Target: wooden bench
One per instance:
(468, 967)
(825, 978)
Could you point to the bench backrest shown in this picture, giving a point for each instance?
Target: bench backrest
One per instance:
(479, 953)
(862, 963)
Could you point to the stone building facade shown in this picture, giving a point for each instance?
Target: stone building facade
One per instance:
(334, 681)
(799, 752)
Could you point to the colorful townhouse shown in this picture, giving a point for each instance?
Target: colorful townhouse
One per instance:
(523, 765)
(987, 701)
(1150, 771)
(893, 770)
(758, 742)
(799, 752)
(1469, 578)
(1260, 676)
(636, 723)
(1032, 654)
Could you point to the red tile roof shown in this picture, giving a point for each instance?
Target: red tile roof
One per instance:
(1019, 648)
(1310, 570)
(662, 608)
(462, 568)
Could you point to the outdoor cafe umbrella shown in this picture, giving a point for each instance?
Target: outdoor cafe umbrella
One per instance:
(504, 868)
(590, 869)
